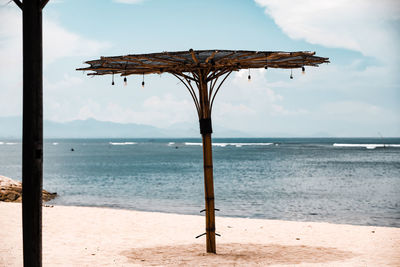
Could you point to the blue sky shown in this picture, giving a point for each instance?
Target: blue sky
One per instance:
(357, 94)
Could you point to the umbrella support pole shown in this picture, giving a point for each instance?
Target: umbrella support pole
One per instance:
(205, 126)
(32, 133)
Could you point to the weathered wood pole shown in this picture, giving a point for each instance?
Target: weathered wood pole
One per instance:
(32, 140)
(206, 131)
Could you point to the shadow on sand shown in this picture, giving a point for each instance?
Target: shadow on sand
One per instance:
(235, 254)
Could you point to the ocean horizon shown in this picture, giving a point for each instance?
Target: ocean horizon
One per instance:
(338, 180)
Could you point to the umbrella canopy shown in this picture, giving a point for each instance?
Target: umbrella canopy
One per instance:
(193, 61)
(204, 68)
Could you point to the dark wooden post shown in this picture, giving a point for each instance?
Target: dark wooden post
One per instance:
(206, 131)
(32, 133)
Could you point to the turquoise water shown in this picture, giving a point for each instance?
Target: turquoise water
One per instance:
(312, 179)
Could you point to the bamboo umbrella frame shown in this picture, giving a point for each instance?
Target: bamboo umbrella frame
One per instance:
(206, 71)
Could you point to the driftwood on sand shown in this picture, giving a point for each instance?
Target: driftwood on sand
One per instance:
(11, 191)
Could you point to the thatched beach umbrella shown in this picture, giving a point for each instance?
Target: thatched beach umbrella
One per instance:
(202, 72)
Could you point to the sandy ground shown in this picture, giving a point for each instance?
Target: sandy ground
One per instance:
(81, 236)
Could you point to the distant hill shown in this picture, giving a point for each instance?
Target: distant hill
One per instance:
(97, 129)
(11, 127)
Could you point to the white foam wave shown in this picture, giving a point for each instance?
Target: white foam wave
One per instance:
(1, 143)
(193, 144)
(367, 146)
(171, 143)
(10, 143)
(122, 143)
(250, 144)
(55, 143)
(230, 144)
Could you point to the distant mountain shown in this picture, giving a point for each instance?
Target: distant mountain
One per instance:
(97, 129)
(11, 127)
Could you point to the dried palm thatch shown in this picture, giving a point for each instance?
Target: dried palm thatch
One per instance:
(211, 61)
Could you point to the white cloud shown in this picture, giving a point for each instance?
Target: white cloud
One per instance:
(252, 105)
(255, 93)
(10, 38)
(58, 43)
(160, 111)
(66, 83)
(356, 111)
(367, 26)
(256, 87)
(351, 107)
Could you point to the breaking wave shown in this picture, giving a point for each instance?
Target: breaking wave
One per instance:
(230, 144)
(8, 143)
(122, 143)
(367, 146)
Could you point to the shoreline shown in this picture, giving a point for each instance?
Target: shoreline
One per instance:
(99, 236)
(220, 216)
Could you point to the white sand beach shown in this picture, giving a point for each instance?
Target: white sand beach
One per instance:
(86, 236)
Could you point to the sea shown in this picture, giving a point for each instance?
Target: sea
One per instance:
(337, 180)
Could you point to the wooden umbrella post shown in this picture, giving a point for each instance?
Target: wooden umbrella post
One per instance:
(206, 131)
(32, 133)
(209, 192)
(32, 148)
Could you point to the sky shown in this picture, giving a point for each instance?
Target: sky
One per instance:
(356, 95)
